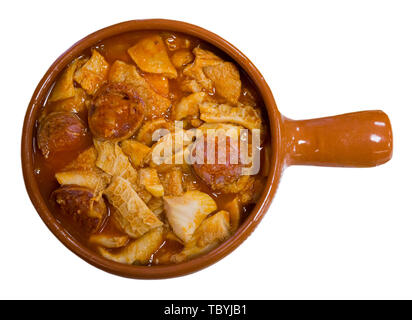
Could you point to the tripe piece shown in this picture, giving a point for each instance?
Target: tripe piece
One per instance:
(149, 178)
(210, 233)
(113, 161)
(135, 150)
(203, 58)
(150, 55)
(245, 116)
(136, 218)
(109, 241)
(155, 104)
(226, 79)
(93, 73)
(138, 251)
(64, 87)
(186, 212)
(189, 106)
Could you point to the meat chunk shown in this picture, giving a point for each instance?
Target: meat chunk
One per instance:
(211, 72)
(172, 182)
(214, 228)
(136, 151)
(252, 190)
(138, 251)
(210, 233)
(93, 73)
(64, 87)
(235, 211)
(93, 179)
(150, 55)
(60, 131)
(82, 171)
(169, 151)
(155, 104)
(112, 160)
(159, 83)
(189, 106)
(227, 173)
(141, 191)
(145, 134)
(81, 204)
(221, 165)
(156, 205)
(150, 180)
(226, 79)
(109, 241)
(182, 57)
(203, 58)
(190, 86)
(190, 181)
(186, 212)
(76, 104)
(86, 160)
(116, 112)
(132, 213)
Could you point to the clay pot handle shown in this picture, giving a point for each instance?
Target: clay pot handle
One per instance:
(359, 139)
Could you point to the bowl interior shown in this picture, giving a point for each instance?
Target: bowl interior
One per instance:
(161, 271)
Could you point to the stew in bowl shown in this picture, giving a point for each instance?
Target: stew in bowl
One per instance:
(104, 130)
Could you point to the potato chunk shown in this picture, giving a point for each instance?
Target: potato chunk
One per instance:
(186, 212)
(210, 233)
(138, 251)
(155, 104)
(151, 182)
(150, 55)
(93, 73)
(133, 214)
(226, 78)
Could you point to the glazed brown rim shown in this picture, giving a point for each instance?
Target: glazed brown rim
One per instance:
(152, 272)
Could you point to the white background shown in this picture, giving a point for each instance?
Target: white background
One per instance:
(330, 233)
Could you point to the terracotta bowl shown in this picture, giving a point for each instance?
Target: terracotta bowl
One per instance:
(360, 139)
